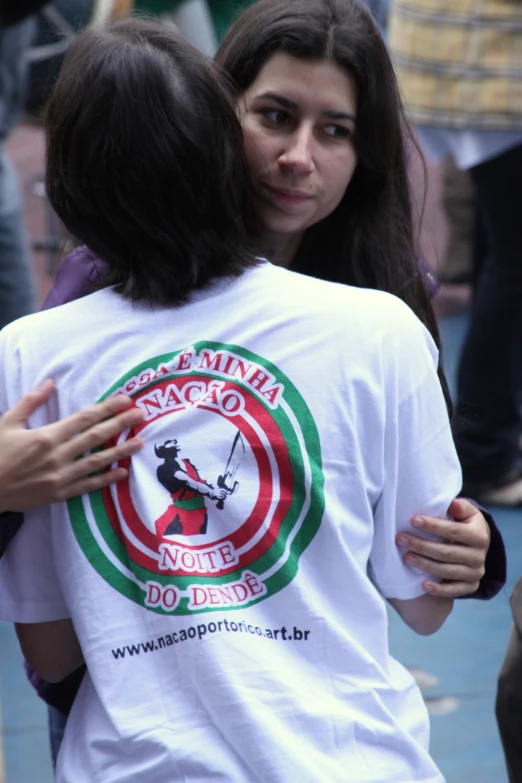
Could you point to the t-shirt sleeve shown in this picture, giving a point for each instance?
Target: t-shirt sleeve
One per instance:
(30, 590)
(29, 587)
(421, 469)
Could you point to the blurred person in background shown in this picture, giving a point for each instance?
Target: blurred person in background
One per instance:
(16, 287)
(222, 14)
(460, 67)
(457, 262)
(509, 692)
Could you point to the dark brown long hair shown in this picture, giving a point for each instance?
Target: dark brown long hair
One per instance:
(368, 240)
(145, 161)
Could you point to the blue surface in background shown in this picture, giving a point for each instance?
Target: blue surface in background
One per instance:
(465, 656)
(24, 718)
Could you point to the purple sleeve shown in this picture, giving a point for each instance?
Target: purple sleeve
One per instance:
(58, 694)
(496, 562)
(10, 523)
(80, 273)
(431, 284)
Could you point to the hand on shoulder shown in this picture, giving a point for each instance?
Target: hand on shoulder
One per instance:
(459, 558)
(46, 465)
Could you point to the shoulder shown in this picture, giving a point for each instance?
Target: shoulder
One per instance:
(372, 314)
(368, 335)
(40, 345)
(72, 316)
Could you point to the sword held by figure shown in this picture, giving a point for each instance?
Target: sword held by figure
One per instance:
(227, 480)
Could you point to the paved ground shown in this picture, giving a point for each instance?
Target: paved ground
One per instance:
(457, 667)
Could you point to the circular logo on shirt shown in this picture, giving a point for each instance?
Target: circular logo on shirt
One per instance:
(224, 497)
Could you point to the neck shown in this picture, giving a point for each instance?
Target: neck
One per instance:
(279, 249)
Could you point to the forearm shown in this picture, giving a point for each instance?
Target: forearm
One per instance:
(425, 614)
(51, 649)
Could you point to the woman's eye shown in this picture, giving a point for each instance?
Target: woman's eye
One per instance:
(276, 116)
(337, 132)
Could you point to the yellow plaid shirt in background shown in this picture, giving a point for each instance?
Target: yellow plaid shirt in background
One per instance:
(459, 62)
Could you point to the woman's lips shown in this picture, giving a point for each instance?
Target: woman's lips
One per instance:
(288, 195)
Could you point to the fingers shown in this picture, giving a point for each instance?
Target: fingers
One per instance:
(101, 433)
(92, 483)
(471, 533)
(62, 431)
(459, 562)
(462, 509)
(75, 480)
(446, 569)
(20, 412)
(92, 463)
(441, 551)
(450, 589)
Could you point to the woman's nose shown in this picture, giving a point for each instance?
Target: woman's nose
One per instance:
(298, 153)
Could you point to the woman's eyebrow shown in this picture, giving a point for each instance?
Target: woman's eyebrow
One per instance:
(331, 114)
(275, 96)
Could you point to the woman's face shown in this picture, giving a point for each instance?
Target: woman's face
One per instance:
(299, 120)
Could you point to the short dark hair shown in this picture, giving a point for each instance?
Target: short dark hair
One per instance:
(145, 161)
(368, 240)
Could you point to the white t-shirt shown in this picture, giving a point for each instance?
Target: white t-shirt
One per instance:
(246, 642)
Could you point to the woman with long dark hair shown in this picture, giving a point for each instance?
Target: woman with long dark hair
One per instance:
(281, 59)
(367, 240)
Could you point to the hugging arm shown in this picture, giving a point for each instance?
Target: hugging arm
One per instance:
(420, 470)
(45, 465)
(470, 561)
(50, 648)
(31, 596)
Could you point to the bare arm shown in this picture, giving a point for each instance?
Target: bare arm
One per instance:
(425, 614)
(51, 649)
(45, 465)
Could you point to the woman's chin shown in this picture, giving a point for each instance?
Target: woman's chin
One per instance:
(286, 226)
